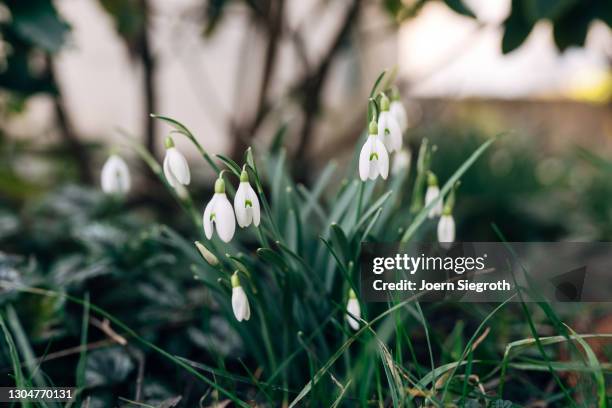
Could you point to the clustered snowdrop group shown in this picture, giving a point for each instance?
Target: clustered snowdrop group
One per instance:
(385, 132)
(219, 215)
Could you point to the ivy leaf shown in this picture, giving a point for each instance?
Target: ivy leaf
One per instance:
(517, 28)
(550, 9)
(459, 7)
(107, 367)
(37, 22)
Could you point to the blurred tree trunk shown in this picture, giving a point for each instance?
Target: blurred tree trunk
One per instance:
(77, 150)
(272, 22)
(308, 88)
(149, 70)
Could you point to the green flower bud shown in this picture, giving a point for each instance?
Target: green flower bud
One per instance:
(244, 176)
(235, 280)
(220, 186)
(373, 127)
(432, 180)
(384, 103)
(169, 142)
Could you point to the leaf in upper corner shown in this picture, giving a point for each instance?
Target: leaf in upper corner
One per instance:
(38, 22)
(213, 15)
(516, 27)
(539, 9)
(107, 367)
(129, 20)
(570, 29)
(459, 7)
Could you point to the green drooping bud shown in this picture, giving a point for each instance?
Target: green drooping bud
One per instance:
(169, 142)
(432, 180)
(373, 128)
(352, 294)
(235, 280)
(384, 103)
(206, 254)
(220, 186)
(244, 176)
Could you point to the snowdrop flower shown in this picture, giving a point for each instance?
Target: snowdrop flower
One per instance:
(399, 112)
(446, 229)
(401, 161)
(432, 193)
(240, 302)
(388, 128)
(176, 169)
(352, 307)
(246, 203)
(219, 214)
(115, 176)
(373, 158)
(206, 254)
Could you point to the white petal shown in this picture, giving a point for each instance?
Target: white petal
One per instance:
(382, 125)
(255, 200)
(401, 161)
(446, 230)
(168, 173)
(224, 218)
(364, 159)
(208, 223)
(178, 166)
(395, 134)
(383, 159)
(115, 176)
(240, 304)
(397, 109)
(352, 307)
(430, 195)
(242, 215)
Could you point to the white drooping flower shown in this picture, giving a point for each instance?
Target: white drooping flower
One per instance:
(432, 193)
(176, 169)
(401, 161)
(219, 214)
(399, 113)
(388, 129)
(353, 310)
(246, 203)
(373, 158)
(446, 229)
(240, 301)
(115, 176)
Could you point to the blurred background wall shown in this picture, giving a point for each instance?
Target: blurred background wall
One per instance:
(232, 70)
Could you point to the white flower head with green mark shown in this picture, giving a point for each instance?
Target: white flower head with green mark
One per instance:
(373, 158)
(388, 128)
(240, 301)
(246, 203)
(176, 169)
(446, 229)
(353, 310)
(115, 176)
(219, 214)
(432, 193)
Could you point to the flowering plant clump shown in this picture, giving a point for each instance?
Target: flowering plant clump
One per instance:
(287, 280)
